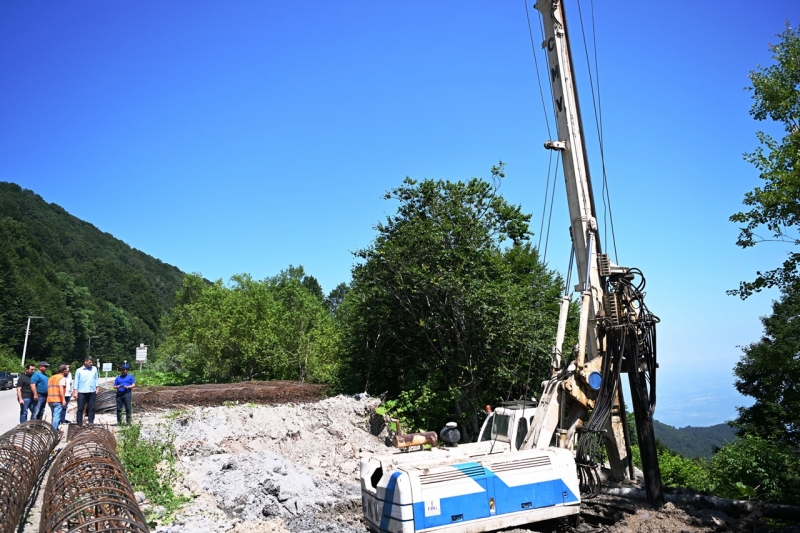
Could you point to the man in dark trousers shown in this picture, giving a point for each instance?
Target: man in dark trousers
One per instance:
(25, 393)
(124, 383)
(86, 389)
(39, 380)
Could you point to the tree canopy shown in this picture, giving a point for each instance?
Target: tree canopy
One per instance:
(769, 372)
(775, 205)
(278, 328)
(450, 308)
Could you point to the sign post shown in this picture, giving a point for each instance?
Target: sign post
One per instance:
(141, 355)
(107, 368)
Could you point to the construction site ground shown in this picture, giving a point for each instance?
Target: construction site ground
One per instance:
(293, 467)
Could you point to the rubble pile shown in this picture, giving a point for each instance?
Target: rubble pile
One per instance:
(293, 468)
(283, 468)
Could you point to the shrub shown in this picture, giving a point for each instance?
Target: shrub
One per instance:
(150, 465)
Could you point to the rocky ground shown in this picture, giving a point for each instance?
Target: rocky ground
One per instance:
(294, 468)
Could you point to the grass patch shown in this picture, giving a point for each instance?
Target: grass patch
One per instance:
(150, 465)
(177, 413)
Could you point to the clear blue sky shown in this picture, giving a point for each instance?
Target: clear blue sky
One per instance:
(247, 136)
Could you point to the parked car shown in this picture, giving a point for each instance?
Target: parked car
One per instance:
(6, 380)
(16, 377)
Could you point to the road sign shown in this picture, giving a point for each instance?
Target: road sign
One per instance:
(141, 354)
(107, 367)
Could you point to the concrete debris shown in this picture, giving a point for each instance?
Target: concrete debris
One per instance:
(285, 468)
(293, 468)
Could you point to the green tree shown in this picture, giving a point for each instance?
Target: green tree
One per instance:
(775, 205)
(307, 337)
(271, 329)
(336, 297)
(769, 372)
(752, 467)
(450, 307)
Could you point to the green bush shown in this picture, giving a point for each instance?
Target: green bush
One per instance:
(150, 465)
(752, 467)
(678, 471)
(155, 378)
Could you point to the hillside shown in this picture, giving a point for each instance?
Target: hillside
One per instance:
(84, 282)
(693, 441)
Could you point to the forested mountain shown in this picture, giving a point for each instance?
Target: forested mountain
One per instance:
(694, 442)
(84, 282)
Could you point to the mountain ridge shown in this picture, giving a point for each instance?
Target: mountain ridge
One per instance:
(694, 442)
(84, 281)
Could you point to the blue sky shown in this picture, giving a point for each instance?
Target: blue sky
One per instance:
(248, 136)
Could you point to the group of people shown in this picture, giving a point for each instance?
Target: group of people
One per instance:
(35, 390)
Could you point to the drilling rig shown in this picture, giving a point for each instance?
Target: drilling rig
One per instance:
(536, 463)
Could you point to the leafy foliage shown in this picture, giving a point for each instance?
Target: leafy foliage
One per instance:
(747, 468)
(84, 282)
(679, 471)
(769, 372)
(756, 468)
(775, 205)
(439, 314)
(150, 465)
(272, 329)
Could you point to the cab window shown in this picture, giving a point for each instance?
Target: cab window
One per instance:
(487, 430)
(522, 430)
(500, 427)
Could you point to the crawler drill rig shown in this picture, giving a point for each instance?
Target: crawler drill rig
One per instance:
(500, 483)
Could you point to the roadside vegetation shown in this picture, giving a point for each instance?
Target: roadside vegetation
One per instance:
(450, 307)
(150, 465)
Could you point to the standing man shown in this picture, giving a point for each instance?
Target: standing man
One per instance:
(25, 394)
(67, 397)
(56, 394)
(86, 387)
(39, 380)
(124, 383)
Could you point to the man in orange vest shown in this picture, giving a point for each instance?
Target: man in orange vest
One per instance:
(56, 394)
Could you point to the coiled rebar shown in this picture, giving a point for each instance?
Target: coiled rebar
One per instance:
(23, 453)
(88, 489)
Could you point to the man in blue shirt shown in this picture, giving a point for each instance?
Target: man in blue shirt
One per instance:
(86, 388)
(39, 380)
(124, 383)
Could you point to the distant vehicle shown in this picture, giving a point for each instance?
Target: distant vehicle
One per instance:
(6, 380)
(16, 377)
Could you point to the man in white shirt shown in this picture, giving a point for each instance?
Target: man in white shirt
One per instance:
(67, 397)
(86, 388)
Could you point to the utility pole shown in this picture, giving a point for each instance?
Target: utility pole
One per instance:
(27, 332)
(89, 349)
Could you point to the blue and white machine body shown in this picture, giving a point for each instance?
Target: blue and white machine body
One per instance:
(469, 488)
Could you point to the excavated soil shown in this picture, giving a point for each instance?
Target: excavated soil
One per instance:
(293, 468)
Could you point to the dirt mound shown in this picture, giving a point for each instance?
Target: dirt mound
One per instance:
(215, 394)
